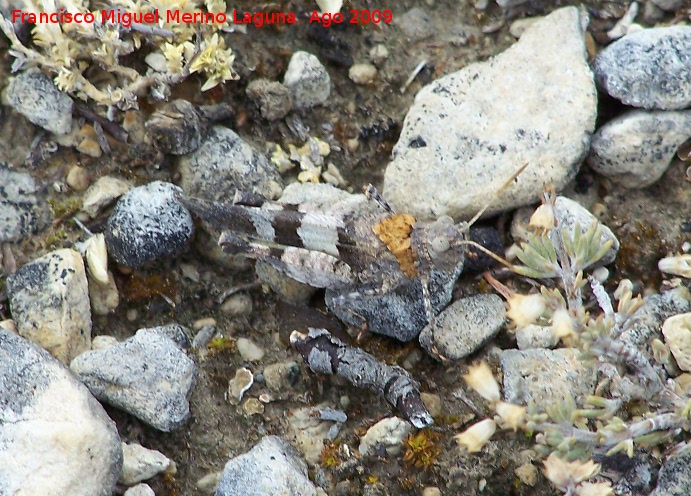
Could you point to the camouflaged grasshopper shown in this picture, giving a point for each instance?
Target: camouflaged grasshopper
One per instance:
(381, 270)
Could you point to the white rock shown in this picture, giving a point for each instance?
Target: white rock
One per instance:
(238, 385)
(636, 148)
(378, 54)
(308, 80)
(103, 342)
(677, 332)
(362, 73)
(102, 192)
(97, 257)
(679, 265)
(140, 463)
(104, 298)
(389, 432)
(56, 438)
(139, 490)
(238, 304)
(249, 350)
(272, 467)
(535, 336)
(49, 299)
(469, 131)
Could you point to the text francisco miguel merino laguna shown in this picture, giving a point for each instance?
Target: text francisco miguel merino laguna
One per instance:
(126, 19)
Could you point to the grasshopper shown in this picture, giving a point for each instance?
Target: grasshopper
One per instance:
(382, 270)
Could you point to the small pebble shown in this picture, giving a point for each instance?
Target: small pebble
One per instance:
(209, 482)
(528, 474)
(307, 80)
(199, 323)
(103, 342)
(237, 305)
(249, 351)
(536, 336)
(140, 463)
(272, 98)
(362, 73)
(176, 127)
(378, 54)
(636, 148)
(271, 467)
(102, 193)
(431, 491)
(389, 432)
(104, 298)
(464, 327)
(78, 178)
(148, 224)
(35, 96)
(253, 407)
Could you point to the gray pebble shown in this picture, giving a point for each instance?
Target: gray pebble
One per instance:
(416, 24)
(544, 376)
(650, 68)
(536, 336)
(636, 148)
(148, 223)
(20, 213)
(271, 467)
(469, 131)
(674, 478)
(272, 98)
(464, 327)
(225, 163)
(307, 80)
(146, 375)
(49, 300)
(237, 305)
(249, 350)
(35, 96)
(56, 438)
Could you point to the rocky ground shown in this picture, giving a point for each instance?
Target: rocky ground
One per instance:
(223, 378)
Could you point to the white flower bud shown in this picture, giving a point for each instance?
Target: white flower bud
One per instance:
(525, 309)
(511, 415)
(480, 378)
(476, 436)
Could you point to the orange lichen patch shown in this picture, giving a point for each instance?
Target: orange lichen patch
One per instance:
(395, 232)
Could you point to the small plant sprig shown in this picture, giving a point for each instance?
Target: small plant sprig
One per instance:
(85, 59)
(568, 435)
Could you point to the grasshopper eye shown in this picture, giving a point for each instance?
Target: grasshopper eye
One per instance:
(439, 244)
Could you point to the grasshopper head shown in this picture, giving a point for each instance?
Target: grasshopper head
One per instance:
(443, 242)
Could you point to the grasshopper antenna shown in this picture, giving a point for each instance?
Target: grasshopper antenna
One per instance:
(503, 188)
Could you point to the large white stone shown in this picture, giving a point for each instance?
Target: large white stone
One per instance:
(469, 131)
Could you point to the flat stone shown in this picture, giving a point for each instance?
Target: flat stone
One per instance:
(272, 467)
(35, 96)
(20, 211)
(225, 163)
(536, 336)
(140, 463)
(249, 350)
(49, 300)
(416, 24)
(464, 327)
(146, 375)
(389, 433)
(307, 80)
(545, 376)
(636, 148)
(650, 68)
(102, 193)
(56, 438)
(147, 224)
(469, 131)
